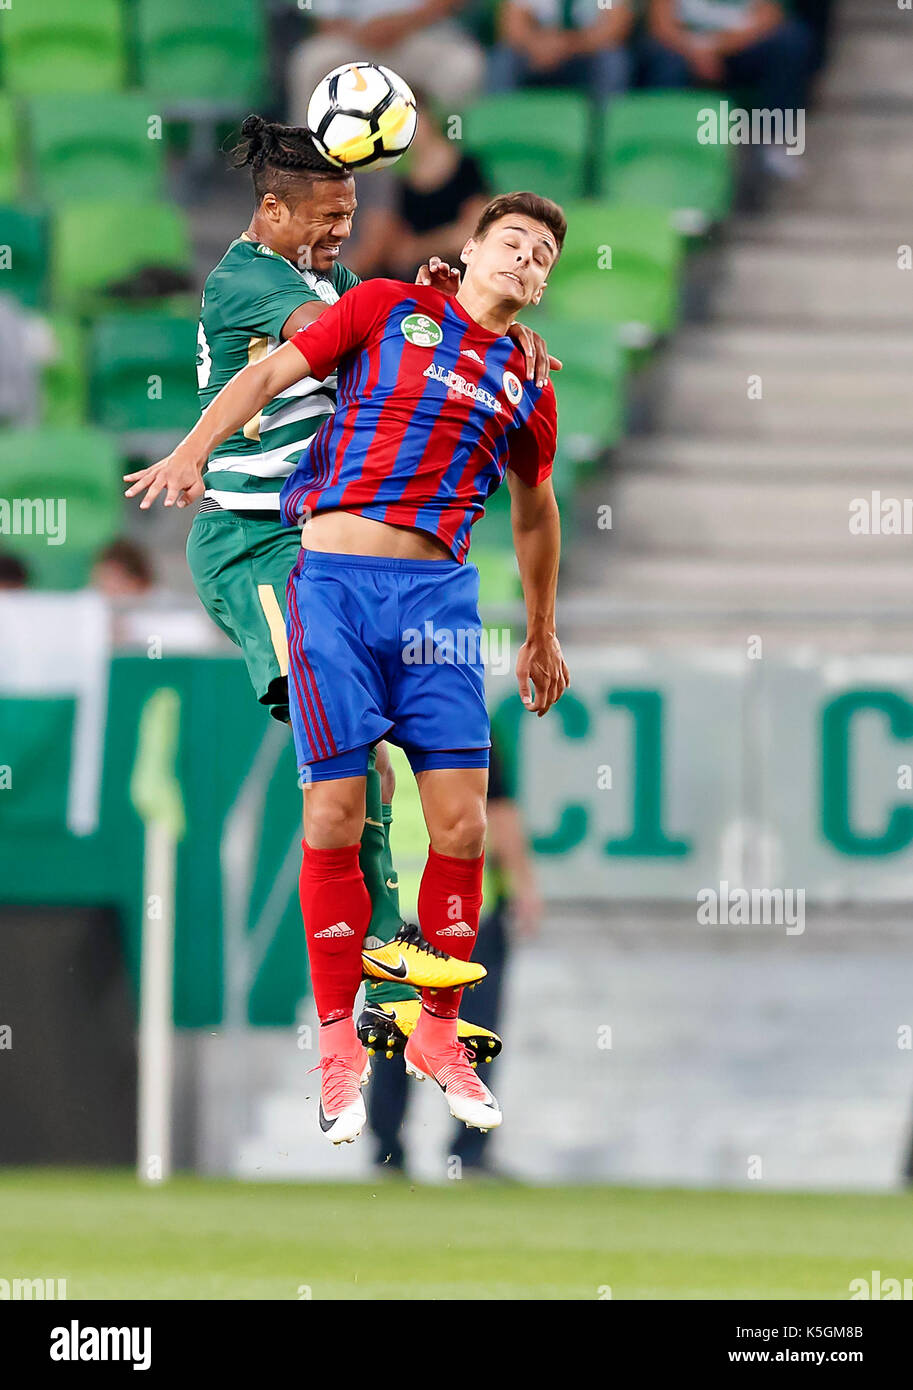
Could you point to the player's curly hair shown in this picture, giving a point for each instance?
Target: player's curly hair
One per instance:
(281, 158)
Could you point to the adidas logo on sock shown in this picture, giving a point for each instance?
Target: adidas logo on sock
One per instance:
(458, 929)
(337, 929)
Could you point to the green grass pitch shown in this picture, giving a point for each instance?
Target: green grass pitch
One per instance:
(200, 1238)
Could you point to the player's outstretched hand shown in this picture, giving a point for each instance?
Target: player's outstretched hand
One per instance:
(540, 662)
(439, 275)
(539, 361)
(178, 479)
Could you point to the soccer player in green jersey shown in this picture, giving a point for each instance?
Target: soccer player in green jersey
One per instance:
(279, 276)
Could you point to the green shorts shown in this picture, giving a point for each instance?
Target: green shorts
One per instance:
(240, 565)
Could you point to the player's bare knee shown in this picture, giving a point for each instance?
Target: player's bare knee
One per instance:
(332, 824)
(462, 835)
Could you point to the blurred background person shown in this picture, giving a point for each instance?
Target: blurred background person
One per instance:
(434, 205)
(13, 573)
(562, 43)
(511, 907)
(732, 43)
(417, 38)
(123, 570)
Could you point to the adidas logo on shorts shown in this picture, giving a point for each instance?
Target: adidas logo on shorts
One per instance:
(458, 929)
(337, 929)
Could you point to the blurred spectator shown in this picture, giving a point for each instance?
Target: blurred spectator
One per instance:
(435, 206)
(562, 43)
(13, 573)
(123, 570)
(731, 43)
(26, 344)
(512, 907)
(417, 38)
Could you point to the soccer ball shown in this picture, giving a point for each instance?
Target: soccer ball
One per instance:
(362, 116)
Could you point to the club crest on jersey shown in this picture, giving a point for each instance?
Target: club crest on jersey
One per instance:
(422, 331)
(513, 388)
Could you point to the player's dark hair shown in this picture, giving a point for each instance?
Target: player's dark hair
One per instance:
(529, 205)
(282, 158)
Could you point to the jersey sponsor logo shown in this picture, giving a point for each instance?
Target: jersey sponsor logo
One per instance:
(458, 929)
(454, 382)
(422, 331)
(337, 929)
(513, 388)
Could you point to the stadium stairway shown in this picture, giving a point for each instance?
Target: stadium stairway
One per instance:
(724, 506)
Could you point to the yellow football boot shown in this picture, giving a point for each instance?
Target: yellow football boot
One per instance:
(387, 1028)
(411, 960)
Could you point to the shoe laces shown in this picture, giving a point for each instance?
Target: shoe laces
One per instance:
(411, 935)
(453, 1069)
(339, 1082)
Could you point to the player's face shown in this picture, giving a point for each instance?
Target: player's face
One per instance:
(316, 227)
(512, 260)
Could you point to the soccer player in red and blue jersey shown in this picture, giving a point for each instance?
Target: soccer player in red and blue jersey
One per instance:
(433, 412)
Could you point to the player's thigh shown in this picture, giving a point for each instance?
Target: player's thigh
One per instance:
(454, 807)
(337, 691)
(240, 569)
(438, 684)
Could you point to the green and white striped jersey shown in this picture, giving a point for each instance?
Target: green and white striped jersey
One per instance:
(246, 301)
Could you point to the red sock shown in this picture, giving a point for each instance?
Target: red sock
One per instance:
(336, 911)
(449, 902)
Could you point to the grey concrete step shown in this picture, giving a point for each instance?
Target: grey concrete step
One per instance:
(609, 575)
(817, 404)
(886, 467)
(791, 519)
(830, 288)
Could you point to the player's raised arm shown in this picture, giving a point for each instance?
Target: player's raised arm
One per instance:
(537, 541)
(179, 476)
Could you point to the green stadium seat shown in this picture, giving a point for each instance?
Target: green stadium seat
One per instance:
(81, 466)
(532, 139)
(9, 155)
(620, 265)
(499, 579)
(144, 380)
(96, 244)
(65, 388)
(590, 389)
(98, 144)
(652, 157)
(63, 46)
(204, 55)
(23, 255)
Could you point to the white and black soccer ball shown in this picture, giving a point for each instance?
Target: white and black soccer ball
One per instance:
(362, 116)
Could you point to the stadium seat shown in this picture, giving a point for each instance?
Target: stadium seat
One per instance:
(210, 54)
(97, 244)
(620, 265)
(82, 467)
(532, 139)
(652, 157)
(65, 380)
(23, 255)
(146, 380)
(590, 387)
(94, 143)
(63, 46)
(9, 158)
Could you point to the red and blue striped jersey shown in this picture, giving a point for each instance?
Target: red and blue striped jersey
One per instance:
(432, 409)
